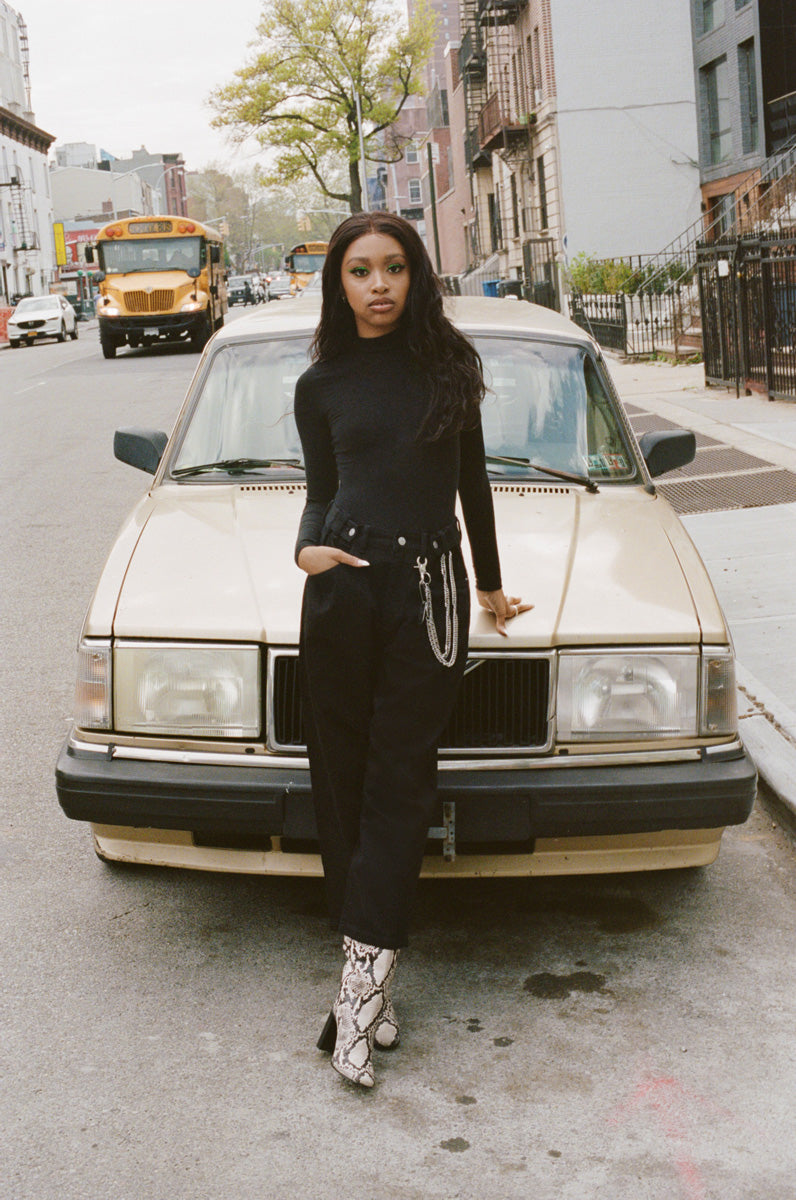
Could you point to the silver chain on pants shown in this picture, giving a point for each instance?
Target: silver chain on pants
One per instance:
(447, 656)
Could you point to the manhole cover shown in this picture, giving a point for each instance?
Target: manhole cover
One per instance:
(721, 492)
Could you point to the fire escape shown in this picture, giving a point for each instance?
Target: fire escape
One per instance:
(23, 232)
(497, 104)
(23, 229)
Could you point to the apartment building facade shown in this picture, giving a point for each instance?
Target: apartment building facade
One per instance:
(560, 127)
(27, 251)
(745, 73)
(579, 131)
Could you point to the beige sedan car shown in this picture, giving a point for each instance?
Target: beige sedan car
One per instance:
(600, 736)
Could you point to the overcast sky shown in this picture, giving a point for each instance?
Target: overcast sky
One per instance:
(119, 75)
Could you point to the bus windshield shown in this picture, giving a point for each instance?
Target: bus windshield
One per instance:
(150, 254)
(307, 264)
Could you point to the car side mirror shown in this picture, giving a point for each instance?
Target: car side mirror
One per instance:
(142, 448)
(89, 252)
(215, 253)
(666, 449)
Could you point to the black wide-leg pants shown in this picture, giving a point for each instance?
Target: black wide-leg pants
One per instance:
(376, 702)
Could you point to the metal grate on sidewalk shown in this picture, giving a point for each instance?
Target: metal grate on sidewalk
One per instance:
(720, 478)
(719, 493)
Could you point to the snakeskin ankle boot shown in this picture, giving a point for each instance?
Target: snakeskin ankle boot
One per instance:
(358, 1011)
(388, 1035)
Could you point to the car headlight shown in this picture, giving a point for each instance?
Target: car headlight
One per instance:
(93, 685)
(191, 306)
(200, 691)
(617, 696)
(108, 310)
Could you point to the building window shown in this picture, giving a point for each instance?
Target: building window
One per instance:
(411, 154)
(542, 182)
(415, 196)
(747, 88)
(712, 14)
(537, 60)
(722, 215)
(716, 84)
(741, 4)
(515, 207)
(494, 221)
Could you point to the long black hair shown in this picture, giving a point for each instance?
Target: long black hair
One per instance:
(447, 359)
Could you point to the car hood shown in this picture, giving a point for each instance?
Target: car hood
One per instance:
(216, 561)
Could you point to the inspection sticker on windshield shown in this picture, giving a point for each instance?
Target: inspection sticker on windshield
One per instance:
(607, 462)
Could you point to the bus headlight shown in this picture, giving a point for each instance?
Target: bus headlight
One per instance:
(199, 690)
(192, 306)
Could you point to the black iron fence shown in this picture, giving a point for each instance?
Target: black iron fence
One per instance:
(541, 272)
(644, 323)
(748, 299)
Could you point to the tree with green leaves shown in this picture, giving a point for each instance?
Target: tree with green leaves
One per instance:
(261, 224)
(313, 61)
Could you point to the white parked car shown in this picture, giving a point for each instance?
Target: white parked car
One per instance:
(41, 316)
(601, 735)
(279, 288)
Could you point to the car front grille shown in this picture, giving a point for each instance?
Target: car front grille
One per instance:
(503, 705)
(160, 300)
(31, 324)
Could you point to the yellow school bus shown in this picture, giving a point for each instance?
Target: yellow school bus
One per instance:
(160, 279)
(302, 261)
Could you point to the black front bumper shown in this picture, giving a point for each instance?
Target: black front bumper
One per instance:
(508, 806)
(167, 324)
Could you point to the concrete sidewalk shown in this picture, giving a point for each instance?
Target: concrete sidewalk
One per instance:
(750, 552)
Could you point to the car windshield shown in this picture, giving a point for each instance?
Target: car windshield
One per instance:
(546, 406)
(150, 254)
(245, 409)
(547, 403)
(37, 304)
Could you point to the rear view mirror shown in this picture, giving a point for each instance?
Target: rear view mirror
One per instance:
(215, 253)
(142, 448)
(666, 449)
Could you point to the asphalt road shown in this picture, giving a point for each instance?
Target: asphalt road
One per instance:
(626, 1037)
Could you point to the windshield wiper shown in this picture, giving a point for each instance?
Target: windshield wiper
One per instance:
(236, 466)
(583, 480)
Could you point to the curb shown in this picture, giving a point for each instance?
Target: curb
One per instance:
(768, 730)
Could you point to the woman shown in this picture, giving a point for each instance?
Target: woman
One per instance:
(389, 421)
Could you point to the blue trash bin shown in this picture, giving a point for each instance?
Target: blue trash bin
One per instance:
(490, 287)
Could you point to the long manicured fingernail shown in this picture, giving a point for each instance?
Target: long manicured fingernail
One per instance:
(362, 563)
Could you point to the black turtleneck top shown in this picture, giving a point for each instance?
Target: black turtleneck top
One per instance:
(359, 418)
